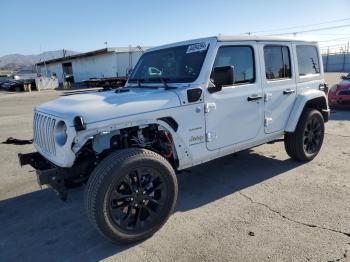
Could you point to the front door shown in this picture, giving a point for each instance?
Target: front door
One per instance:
(278, 81)
(235, 114)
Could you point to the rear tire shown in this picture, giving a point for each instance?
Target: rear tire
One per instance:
(306, 141)
(131, 194)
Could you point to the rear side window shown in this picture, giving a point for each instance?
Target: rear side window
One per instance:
(277, 62)
(241, 58)
(308, 62)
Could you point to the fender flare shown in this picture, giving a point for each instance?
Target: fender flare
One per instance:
(310, 98)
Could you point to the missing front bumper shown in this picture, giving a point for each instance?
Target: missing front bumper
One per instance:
(46, 172)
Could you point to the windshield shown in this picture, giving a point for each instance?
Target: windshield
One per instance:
(180, 64)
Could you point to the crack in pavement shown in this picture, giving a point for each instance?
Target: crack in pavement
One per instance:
(300, 223)
(290, 219)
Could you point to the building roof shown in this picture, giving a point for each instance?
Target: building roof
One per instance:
(93, 53)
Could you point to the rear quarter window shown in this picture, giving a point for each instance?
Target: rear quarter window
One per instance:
(308, 61)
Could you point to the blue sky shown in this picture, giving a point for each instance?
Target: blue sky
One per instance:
(29, 27)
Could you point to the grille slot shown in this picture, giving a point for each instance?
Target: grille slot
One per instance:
(43, 130)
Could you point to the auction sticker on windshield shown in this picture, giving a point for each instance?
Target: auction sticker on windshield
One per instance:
(197, 47)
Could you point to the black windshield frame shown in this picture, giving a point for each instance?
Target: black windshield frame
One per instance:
(179, 53)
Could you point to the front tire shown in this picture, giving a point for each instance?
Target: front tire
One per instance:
(131, 194)
(305, 143)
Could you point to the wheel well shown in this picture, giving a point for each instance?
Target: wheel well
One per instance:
(320, 104)
(171, 122)
(153, 137)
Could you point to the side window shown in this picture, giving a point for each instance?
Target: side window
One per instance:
(241, 58)
(277, 62)
(308, 62)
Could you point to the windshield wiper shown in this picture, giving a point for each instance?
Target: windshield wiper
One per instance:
(161, 79)
(143, 80)
(164, 81)
(139, 81)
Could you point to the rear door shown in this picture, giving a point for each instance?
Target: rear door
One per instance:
(235, 114)
(279, 84)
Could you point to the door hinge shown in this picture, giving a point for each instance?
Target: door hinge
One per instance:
(267, 121)
(267, 96)
(209, 137)
(209, 107)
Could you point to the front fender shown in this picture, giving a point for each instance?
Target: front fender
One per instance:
(180, 147)
(310, 97)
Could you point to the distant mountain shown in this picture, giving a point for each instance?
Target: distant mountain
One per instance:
(15, 61)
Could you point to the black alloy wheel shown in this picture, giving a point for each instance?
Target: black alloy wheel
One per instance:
(306, 141)
(136, 199)
(312, 135)
(131, 194)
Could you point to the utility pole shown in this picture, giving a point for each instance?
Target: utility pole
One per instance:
(327, 57)
(130, 60)
(345, 53)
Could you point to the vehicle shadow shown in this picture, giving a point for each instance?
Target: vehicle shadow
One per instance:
(227, 175)
(37, 226)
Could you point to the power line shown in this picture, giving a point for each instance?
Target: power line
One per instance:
(334, 34)
(337, 45)
(301, 26)
(314, 30)
(335, 39)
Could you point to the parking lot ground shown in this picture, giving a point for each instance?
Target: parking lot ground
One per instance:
(257, 205)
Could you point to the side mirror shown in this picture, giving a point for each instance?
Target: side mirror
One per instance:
(222, 76)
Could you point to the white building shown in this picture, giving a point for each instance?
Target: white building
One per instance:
(107, 62)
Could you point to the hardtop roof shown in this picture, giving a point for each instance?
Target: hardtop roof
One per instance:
(237, 38)
(223, 38)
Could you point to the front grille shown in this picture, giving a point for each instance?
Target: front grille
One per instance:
(344, 93)
(43, 129)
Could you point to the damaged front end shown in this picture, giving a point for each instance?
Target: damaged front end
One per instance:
(58, 178)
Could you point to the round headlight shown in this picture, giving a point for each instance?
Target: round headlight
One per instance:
(61, 133)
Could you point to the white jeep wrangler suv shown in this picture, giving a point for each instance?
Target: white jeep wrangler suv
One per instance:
(184, 104)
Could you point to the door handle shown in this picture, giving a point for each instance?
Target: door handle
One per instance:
(254, 97)
(288, 91)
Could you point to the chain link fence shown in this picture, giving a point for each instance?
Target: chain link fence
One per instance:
(336, 58)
